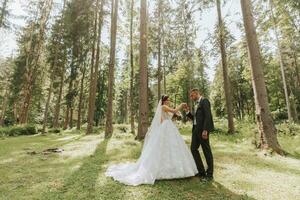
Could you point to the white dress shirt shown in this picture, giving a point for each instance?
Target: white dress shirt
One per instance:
(195, 110)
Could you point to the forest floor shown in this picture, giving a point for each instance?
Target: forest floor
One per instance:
(241, 171)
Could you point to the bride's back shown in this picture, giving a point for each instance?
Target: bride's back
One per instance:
(165, 115)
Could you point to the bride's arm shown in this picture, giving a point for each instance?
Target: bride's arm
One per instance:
(168, 109)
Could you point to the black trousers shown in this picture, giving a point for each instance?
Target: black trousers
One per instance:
(197, 140)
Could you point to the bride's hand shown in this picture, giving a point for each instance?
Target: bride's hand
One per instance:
(186, 108)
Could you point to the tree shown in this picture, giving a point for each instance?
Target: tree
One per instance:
(111, 79)
(80, 103)
(159, 74)
(225, 71)
(143, 85)
(78, 42)
(282, 67)
(3, 14)
(35, 45)
(132, 111)
(98, 21)
(5, 80)
(50, 89)
(263, 116)
(59, 51)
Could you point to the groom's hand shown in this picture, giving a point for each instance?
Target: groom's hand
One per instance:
(204, 135)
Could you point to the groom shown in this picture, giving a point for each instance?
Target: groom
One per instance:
(202, 126)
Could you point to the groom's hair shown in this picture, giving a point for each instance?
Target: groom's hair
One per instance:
(195, 90)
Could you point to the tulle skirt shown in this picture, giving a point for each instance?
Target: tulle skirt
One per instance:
(164, 156)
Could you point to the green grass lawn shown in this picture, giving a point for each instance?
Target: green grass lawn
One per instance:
(241, 172)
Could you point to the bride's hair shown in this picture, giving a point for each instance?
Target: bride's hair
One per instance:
(164, 98)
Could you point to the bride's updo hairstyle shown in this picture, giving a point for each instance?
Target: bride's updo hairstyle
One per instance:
(164, 98)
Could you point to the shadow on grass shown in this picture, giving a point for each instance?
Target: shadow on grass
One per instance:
(192, 188)
(252, 161)
(294, 155)
(81, 183)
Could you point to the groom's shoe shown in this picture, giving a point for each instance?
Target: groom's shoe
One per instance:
(209, 178)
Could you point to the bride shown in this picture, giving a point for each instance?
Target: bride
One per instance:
(164, 155)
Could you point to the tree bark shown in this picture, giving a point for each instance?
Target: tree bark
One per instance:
(71, 116)
(80, 99)
(47, 106)
(4, 107)
(143, 86)
(132, 111)
(111, 79)
(61, 83)
(57, 106)
(164, 77)
(49, 94)
(159, 50)
(95, 66)
(68, 113)
(226, 81)
(263, 115)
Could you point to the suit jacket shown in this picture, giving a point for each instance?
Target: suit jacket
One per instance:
(204, 120)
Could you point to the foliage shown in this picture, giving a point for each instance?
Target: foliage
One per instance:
(18, 130)
(68, 50)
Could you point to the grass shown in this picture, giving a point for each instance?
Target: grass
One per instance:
(241, 172)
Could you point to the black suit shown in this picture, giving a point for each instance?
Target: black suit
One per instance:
(204, 121)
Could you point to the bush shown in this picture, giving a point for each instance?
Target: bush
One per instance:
(54, 130)
(18, 130)
(288, 128)
(279, 115)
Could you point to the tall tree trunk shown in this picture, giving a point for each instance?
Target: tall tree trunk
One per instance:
(226, 81)
(143, 86)
(61, 84)
(164, 77)
(293, 108)
(126, 107)
(132, 111)
(47, 106)
(71, 116)
(111, 78)
(2, 13)
(91, 107)
(159, 50)
(296, 68)
(49, 94)
(80, 99)
(263, 115)
(57, 106)
(27, 98)
(69, 105)
(282, 68)
(95, 65)
(4, 107)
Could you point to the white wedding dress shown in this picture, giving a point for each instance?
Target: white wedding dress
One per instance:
(164, 156)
